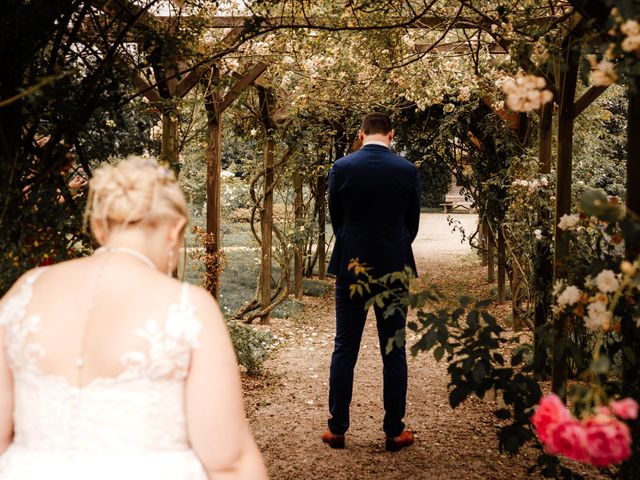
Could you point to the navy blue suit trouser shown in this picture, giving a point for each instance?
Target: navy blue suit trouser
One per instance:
(350, 319)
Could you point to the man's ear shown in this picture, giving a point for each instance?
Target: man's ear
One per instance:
(361, 135)
(391, 134)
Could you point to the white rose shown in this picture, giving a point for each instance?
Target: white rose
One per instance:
(570, 296)
(598, 316)
(630, 27)
(567, 222)
(538, 234)
(627, 267)
(607, 281)
(604, 73)
(557, 287)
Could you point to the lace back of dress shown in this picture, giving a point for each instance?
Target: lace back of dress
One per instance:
(168, 342)
(18, 325)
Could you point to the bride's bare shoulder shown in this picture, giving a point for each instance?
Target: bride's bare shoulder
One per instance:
(204, 303)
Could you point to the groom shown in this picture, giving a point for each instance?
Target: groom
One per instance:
(374, 202)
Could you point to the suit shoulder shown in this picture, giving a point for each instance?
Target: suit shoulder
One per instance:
(404, 162)
(346, 160)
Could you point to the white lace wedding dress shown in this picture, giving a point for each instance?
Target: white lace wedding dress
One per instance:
(127, 427)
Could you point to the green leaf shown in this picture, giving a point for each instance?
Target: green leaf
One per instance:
(479, 372)
(458, 395)
(379, 301)
(438, 353)
(502, 413)
(398, 339)
(593, 202)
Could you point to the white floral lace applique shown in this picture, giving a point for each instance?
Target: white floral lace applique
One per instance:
(18, 326)
(170, 344)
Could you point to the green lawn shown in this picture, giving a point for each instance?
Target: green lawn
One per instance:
(239, 278)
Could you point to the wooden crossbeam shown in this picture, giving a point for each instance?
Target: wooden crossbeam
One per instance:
(128, 10)
(241, 85)
(189, 81)
(311, 22)
(462, 47)
(147, 90)
(587, 98)
(512, 118)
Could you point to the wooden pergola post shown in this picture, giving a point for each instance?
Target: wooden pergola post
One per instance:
(544, 274)
(215, 105)
(170, 147)
(566, 118)
(266, 217)
(298, 247)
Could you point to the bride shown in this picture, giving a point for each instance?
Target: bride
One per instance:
(112, 369)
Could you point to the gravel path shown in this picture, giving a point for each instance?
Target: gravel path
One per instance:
(288, 408)
(436, 238)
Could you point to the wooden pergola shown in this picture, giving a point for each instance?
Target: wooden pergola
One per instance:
(175, 83)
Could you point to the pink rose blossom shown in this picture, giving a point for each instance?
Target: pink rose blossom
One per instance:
(569, 438)
(627, 408)
(608, 441)
(550, 412)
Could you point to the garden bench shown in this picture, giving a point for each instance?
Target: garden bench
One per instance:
(451, 207)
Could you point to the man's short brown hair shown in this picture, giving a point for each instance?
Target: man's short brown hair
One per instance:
(376, 123)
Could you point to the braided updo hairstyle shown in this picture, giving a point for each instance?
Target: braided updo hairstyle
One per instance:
(135, 190)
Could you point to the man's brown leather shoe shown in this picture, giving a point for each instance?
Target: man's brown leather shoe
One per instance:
(334, 441)
(394, 444)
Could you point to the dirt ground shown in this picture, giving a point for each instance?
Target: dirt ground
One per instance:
(288, 406)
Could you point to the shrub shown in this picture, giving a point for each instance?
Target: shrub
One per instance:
(315, 288)
(251, 346)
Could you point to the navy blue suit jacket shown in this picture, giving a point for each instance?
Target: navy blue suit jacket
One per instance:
(374, 203)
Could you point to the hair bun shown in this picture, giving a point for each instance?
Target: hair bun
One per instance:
(133, 190)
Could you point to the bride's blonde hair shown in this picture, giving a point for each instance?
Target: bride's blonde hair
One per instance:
(134, 190)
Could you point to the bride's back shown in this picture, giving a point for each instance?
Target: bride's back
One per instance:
(92, 318)
(110, 368)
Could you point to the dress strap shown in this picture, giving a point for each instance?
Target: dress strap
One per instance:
(16, 305)
(191, 323)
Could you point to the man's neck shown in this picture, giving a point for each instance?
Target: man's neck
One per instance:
(383, 141)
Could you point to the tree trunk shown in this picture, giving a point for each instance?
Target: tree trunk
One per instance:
(516, 282)
(322, 214)
(502, 267)
(10, 122)
(563, 206)
(491, 256)
(299, 245)
(483, 244)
